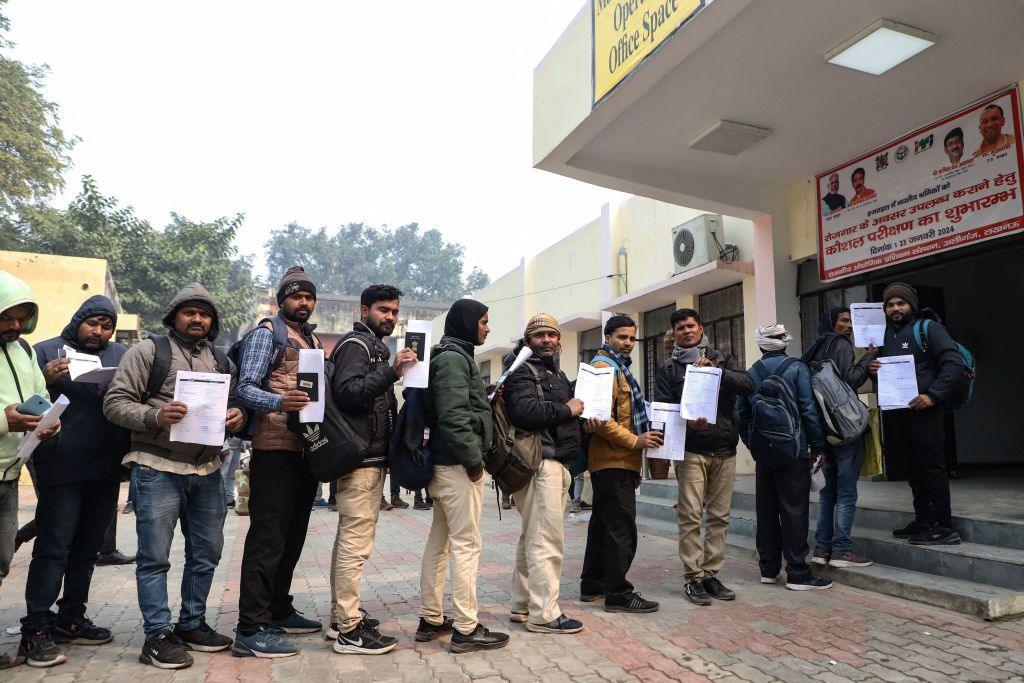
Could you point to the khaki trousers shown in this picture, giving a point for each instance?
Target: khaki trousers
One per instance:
(358, 509)
(538, 573)
(455, 531)
(705, 483)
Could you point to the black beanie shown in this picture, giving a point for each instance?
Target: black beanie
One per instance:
(294, 280)
(901, 290)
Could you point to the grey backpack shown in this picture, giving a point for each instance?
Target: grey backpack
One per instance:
(843, 415)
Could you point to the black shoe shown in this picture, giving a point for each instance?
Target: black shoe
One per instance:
(717, 589)
(114, 558)
(333, 631)
(562, 624)
(584, 505)
(936, 535)
(39, 650)
(397, 502)
(427, 631)
(695, 593)
(333, 507)
(230, 505)
(811, 583)
(821, 556)
(165, 651)
(364, 640)
(203, 638)
(632, 603)
(128, 508)
(912, 529)
(81, 632)
(420, 504)
(479, 639)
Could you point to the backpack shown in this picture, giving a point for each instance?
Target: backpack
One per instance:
(774, 434)
(161, 366)
(963, 388)
(845, 418)
(514, 455)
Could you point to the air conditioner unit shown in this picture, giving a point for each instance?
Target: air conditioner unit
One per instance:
(694, 244)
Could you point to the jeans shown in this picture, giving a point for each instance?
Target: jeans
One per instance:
(782, 494)
(232, 456)
(71, 522)
(837, 503)
(161, 500)
(611, 536)
(8, 524)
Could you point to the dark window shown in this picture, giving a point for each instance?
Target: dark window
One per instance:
(485, 372)
(721, 312)
(813, 305)
(656, 324)
(590, 342)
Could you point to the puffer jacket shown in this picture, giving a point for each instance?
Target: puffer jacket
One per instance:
(559, 430)
(613, 445)
(938, 369)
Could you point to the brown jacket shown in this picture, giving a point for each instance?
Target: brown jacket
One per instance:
(613, 446)
(272, 433)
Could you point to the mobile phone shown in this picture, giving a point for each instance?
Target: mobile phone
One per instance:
(35, 405)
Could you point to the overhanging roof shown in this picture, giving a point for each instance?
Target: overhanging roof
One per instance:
(502, 347)
(706, 278)
(580, 322)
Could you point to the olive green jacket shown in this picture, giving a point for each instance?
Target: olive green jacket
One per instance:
(458, 413)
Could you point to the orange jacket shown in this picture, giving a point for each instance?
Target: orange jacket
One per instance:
(613, 446)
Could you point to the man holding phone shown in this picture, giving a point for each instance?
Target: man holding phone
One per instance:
(20, 379)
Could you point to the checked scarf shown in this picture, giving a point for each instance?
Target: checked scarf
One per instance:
(638, 411)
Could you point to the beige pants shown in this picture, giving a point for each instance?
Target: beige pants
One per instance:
(705, 482)
(458, 503)
(538, 572)
(358, 509)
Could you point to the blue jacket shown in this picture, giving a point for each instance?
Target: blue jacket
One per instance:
(88, 448)
(799, 377)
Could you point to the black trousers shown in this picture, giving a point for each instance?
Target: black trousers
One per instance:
(782, 495)
(918, 439)
(281, 494)
(611, 536)
(71, 522)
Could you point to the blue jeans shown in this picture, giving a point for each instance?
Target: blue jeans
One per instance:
(232, 457)
(838, 500)
(161, 500)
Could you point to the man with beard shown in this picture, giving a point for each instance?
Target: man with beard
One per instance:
(282, 487)
(363, 389)
(78, 477)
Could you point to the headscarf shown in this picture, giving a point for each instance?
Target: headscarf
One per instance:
(903, 291)
(688, 356)
(463, 320)
(638, 408)
(826, 331)
(542, 322)
(772, 337)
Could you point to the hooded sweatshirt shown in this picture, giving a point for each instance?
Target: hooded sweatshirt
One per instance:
(123, 404)
(20, 376)
(89, 447)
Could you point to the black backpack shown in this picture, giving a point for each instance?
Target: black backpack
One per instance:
(161, 366)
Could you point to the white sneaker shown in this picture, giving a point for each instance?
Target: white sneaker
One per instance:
(771, 579)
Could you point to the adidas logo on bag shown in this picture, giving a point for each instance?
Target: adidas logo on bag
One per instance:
(312, 436)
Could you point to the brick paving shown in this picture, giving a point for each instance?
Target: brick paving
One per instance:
(767, 634)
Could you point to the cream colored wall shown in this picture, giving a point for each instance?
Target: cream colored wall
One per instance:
(504, 299)
(802, 220)
(569, 276)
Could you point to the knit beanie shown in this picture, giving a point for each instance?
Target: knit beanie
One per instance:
(901, 290)
(542, 322)
(295, 280)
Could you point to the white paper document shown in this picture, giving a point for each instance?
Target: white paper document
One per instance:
(31, 440)
(524, 355)
(675, 431)
(312, 360)
(85, 367)
(417, 374)
(205, 394)
(868, 325)
(700, 393)
(594, 388)
(897, 382)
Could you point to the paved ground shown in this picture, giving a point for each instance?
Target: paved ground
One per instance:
(767, 634)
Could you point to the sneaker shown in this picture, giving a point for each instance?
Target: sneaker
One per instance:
(518, 617)
(717, 589)
(10, 661)
(811, 583)
(846, 558)
(821, 556)
(695, 593)
(128, 508)
(81, 632)
(264, 644)
(770, 579)
(420, 504)
(39, 650)
(479, 639)
(364, 640)
(202, 638)
(114, 558)
(165, 651)
(591, 597)
(562, 624)
(384, 504)
(584, 505)
(909, 530)
(506, 503)
(575, 506)
(333, 631)
(320, 503)
(296, 623)
(397, 502)
(936, 535)
(427, 631)
(631, 603)
(333, 507)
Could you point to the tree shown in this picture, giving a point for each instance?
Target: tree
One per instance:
(421, 264)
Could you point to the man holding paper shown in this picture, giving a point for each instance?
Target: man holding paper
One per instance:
(175, 482)
(708, 471)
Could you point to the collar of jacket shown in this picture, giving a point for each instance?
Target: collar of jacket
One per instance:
(187, 343)
(548, 363)
(360, 326)
(780, 352)
(461, 343)
(303, 328)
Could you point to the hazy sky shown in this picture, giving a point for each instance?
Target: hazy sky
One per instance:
(322, 112)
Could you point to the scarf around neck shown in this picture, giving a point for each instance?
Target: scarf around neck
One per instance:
(688, 356)
(638, 409)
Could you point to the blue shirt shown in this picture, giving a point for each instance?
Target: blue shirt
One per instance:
(254, 365)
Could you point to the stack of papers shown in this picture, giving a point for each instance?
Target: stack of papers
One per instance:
(897, 382)
(868, 325)
(700, 393)
(674, 445)
(594, 388)
(85, 367)
(205, 395)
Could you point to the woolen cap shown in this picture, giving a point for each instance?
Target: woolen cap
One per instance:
(294, 280)
(901, 290)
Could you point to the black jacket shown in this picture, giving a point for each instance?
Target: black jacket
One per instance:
(939, 369)
(363, 389)
(839, 349)
(559, 430)
(720, 438)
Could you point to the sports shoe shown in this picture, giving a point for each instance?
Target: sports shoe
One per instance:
(230, 505)
(113, 559)
(333, 507)
(397, 502)
(364, 640)
(202, 638)
(384, 504)
(811, 583)
(631, 603)
(591, 597)
(427, 631)
(39, 650)
(770, 579)
(518, 617)
(716, 589)
(821, 556)
(506, 502)
(562, 624)
(584, 505)
(695, 593)
(846, 558)
(479, 639)
(296, 623)
(320, 503)
(420, 504)
(333, 631)
(575, 506)
(909, 530)
(165, 651)
(936, 535)
(81, 632)
(264, 644)
(128, 508)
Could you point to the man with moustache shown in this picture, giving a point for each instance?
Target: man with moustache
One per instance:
(953, 143)
(990, 125)
(282, 487)
(861, 193)
(363, 389)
